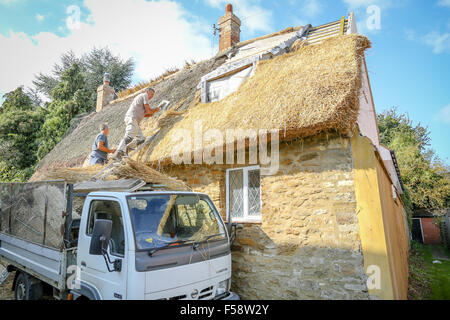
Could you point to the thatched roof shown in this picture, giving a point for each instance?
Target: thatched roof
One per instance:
(75, 147)
(313, 89)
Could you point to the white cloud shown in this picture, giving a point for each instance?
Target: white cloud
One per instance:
(444, 3)
(311, 8)
(40, 17)
(254, 18)
(383, 4)
(440, 43)
(444, 114)
(354, 4)
(157, 34)
(8, 2)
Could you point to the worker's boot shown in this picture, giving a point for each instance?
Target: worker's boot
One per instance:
(134, 144)
(139, 142)
(118, 155)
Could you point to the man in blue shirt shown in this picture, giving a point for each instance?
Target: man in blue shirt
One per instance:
(99, 154)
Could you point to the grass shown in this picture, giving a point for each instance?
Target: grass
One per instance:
(428, 281)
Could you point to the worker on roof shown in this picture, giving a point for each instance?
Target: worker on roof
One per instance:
(99, 154)
(138, 110)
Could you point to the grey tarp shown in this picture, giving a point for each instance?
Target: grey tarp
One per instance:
(34, 211)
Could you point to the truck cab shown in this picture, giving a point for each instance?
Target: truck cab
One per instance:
(113, 240)
(152, 245)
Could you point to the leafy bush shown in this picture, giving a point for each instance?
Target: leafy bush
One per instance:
(424, 175)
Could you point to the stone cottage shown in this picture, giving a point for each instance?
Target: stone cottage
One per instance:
(280, 131)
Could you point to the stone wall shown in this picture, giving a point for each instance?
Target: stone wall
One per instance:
(307, 246)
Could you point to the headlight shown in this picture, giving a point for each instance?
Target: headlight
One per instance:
(222, 287)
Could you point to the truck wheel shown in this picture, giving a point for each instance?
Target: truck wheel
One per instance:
(27, 288)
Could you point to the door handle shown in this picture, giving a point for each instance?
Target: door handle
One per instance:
(83, 264)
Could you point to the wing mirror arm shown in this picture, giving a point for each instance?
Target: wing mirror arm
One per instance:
(232, 226)
(117, 263)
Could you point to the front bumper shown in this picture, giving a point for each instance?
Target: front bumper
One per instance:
(228, 296)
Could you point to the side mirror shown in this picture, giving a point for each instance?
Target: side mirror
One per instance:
(100, 237)
(100, 241)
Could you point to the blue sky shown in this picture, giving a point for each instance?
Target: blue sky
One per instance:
(409, 63)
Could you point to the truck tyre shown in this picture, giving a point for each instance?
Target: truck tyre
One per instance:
(27, 287)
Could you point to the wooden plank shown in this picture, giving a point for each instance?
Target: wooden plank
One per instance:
(323, 35)
(321, 31)
(341, 31)
(317, 29)
(230, 72)
(335, 28)
(326, 25)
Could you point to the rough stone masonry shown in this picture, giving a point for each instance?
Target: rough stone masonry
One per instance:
(308, 245)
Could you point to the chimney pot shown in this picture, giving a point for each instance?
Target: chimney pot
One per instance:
(229, 8)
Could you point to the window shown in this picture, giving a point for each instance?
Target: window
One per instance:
(161, 220)
(110, 210)
(244, 194)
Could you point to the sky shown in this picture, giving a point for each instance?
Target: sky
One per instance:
(409, 62)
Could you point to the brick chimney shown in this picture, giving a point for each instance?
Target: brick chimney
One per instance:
(105, 93)
(229, 26)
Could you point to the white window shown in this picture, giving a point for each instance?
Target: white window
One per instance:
(244, 194)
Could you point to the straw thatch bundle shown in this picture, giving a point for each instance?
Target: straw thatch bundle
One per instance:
(127, 169)
(133, 169)
(169, 118)
(297, 45)
(313, 89)
(71, 175)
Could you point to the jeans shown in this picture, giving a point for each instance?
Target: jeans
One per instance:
(132, 130)
(94, 160)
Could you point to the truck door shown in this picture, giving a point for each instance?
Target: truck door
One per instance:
(94, 271)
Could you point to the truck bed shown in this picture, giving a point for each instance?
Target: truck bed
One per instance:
(45, 263)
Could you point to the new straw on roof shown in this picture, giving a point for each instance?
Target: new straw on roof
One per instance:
(132, 169)
(127, 169)
(71, 175)
(313, 89)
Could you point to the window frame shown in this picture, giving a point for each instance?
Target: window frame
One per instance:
(246, 217)
(86, 231)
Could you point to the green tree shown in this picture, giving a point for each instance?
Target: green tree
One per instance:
(423, 172)
(20, 122)
(46, 83)
(93, 66)
(98, 61)
(70, 98)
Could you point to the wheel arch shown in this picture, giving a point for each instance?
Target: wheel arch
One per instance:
(87, 291)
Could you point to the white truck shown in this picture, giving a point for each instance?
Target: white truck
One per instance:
(115, 241)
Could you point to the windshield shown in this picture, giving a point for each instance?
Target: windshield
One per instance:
(161, 220)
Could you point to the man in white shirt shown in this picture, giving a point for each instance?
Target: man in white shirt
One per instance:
(138, 110)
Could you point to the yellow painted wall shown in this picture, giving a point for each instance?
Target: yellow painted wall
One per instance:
(396, 234)
(381, 223)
